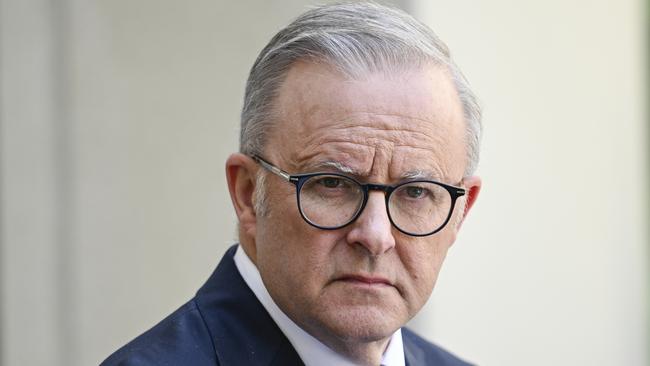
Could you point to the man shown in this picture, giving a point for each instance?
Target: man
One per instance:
(358, 145)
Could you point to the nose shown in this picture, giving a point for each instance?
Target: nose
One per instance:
(372, 229)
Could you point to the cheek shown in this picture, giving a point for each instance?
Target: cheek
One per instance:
(292, 254)
(280, 221)
(423, 262)
(296, 265)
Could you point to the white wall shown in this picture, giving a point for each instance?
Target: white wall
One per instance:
(551, 266)
(29, 193)
(116, 118)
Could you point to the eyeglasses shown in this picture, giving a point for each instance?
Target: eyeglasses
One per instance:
(331, 201)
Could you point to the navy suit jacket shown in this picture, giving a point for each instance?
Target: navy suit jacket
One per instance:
(225, 324)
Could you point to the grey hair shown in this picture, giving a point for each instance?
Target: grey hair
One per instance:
(353, 37)
(260, 199)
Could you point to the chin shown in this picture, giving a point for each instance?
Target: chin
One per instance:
(359, 323)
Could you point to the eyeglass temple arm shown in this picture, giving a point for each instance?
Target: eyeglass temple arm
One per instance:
(272, 168)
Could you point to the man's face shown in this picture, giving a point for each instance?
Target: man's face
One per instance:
(364, 281)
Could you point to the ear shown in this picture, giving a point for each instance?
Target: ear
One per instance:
(472, 187)
(240, 174)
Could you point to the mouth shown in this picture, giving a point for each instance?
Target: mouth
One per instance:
(365, 280)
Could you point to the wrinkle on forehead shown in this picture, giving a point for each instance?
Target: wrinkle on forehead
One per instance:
(373, 133)
(363, 161)
(348, 140)
(379, 126)
(374, 150)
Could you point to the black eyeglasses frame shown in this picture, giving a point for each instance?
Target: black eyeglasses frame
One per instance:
(299, 180)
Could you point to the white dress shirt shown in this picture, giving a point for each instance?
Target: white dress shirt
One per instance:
(311, 350)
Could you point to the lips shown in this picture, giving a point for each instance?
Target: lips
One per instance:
(365, 280)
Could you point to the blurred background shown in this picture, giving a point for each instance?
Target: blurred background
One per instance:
(116, 118)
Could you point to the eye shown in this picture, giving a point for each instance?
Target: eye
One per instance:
(331, 182)
(330, 186)
(416, 192)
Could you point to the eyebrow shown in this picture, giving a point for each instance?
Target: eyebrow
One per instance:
(342, 168)
(421, 174)
(331, 164)
(416, 174)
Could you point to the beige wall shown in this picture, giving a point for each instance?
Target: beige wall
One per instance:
(551, 268)
(116, 118)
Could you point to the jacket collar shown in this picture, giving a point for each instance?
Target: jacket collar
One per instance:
(242, 331)
(413, 354)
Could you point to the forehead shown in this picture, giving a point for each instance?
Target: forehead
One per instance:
(378, 124)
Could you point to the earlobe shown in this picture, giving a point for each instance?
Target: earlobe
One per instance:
(240, 174)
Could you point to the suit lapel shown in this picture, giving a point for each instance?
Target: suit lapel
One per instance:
(243, 333)
(286, 356)
(413, 354)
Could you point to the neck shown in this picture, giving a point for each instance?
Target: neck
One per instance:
(362, 353)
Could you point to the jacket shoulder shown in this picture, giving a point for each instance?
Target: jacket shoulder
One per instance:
(423, 352)
(180, 339)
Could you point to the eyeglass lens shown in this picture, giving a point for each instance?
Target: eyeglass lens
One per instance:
(419, 207)
(330, 201)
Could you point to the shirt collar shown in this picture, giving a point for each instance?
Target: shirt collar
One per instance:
(311, 350)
